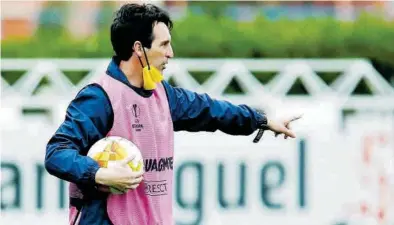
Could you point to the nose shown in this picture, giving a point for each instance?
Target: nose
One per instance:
(170, 52)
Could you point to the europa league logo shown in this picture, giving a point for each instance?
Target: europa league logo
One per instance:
(136, 110)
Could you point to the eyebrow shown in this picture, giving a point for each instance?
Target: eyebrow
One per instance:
(165, 42)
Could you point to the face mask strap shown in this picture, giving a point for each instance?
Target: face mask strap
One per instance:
(146, 58)
(142, 65)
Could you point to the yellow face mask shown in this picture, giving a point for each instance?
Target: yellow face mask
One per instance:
(150, 74)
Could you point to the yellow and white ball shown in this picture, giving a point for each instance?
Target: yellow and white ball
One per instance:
(109, 150)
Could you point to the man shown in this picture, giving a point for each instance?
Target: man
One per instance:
(132, 101)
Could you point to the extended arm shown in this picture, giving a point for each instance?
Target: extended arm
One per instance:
(199, 112)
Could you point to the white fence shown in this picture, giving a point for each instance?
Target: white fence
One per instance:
(336, 171)
(271, 96)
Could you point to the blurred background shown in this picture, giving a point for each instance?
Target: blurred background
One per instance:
(333, 61)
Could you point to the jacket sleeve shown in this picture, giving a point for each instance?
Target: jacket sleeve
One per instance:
(89, 117)
(194, 112)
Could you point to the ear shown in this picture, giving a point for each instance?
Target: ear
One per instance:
(137, 47)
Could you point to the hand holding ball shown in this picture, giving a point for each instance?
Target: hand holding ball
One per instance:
(121, 164)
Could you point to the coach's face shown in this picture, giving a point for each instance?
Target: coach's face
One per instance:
(161, 49)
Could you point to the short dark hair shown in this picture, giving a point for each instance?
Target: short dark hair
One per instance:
(134, 22)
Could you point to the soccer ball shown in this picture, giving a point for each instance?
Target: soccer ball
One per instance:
(110, 149)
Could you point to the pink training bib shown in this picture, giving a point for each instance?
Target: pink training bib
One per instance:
(147, 123)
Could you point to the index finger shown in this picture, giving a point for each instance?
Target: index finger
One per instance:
(294, 118)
